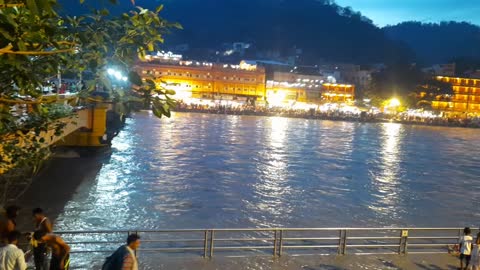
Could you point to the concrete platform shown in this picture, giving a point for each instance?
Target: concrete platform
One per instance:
(348, 262)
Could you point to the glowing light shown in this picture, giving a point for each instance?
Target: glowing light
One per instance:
(116, 74)
(394, 102)
(276, 98)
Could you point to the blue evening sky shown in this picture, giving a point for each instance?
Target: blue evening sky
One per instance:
(384, 12)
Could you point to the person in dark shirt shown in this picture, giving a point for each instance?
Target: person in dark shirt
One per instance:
(60, 250)
(8, 222)
(42, 224)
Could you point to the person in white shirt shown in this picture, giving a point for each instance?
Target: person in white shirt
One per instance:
(465, 243)
(11, 257)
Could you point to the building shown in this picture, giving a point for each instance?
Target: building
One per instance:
(441, 70)
(289, 88)
(191, 79)
(349, 73)
(338, 93)
(300, 87)
(465, 100)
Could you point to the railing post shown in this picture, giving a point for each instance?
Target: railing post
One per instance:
(405, 245)
(275, 243)
(400, 243)
(280, 251)
(136, 250)
(205, 244)
(405, 241)
(344, 246)
(212, 235)
(340, 242)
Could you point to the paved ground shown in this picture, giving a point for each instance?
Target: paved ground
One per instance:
(353, 262)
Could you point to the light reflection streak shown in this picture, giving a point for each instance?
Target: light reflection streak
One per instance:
(272, 186)
(106, 203)
(386, 181)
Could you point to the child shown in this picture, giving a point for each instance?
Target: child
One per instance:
(465, 247)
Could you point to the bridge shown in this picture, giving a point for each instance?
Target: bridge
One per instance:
(88, 127)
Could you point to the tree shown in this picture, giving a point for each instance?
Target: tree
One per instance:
(36, 43)
(408, 83)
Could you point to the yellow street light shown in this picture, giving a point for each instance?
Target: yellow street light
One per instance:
(394, 102)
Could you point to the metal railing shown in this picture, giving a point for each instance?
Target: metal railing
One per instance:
(272, 241)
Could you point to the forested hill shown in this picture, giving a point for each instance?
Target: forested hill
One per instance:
(321, 28)
(438, 43)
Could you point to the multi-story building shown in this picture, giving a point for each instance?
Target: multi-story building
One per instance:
(466, 97)
(294, 87)
(207, 80)
(342, 93)
(245, 82)
(291, 87)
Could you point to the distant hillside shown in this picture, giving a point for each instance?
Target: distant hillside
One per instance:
(322, 29)
(438, 43)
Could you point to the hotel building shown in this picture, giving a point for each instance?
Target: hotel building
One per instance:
(192, 79)
(465, 99)
(245, 82)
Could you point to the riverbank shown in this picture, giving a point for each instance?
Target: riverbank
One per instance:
(336, 116)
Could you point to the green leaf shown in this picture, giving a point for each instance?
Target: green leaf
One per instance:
(157, 112)
(134, 78)
(158, 9)
(32, 6)
(170, 92)
(104, 12)
(150, 46)
(151, 83)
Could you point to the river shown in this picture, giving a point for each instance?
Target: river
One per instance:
(204, 171)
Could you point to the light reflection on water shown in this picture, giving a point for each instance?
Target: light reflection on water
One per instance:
(197, 170)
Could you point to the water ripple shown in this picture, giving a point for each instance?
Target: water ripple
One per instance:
(197, 170)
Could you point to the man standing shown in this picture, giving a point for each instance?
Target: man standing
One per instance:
(466, 247)
(60, 250)
(11, 257)
(43, 224)
(124, 258)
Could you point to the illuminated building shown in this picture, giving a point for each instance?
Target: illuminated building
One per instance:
(191, 79)
(343, 93)
(288, 88)
(466, 97)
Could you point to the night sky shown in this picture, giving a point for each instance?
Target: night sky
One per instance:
(381, 12)
(384, 12)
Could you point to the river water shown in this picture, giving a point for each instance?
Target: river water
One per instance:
(205, 171)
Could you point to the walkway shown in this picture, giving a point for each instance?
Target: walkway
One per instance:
(348, 262)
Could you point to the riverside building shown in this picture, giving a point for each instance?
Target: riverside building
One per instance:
(191, 79)
(245, 83)
(465, 100)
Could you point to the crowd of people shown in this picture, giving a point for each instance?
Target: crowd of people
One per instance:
(50, 251)
(334, 114)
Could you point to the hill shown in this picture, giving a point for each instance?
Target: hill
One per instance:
(438, 43)
(322, 29)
